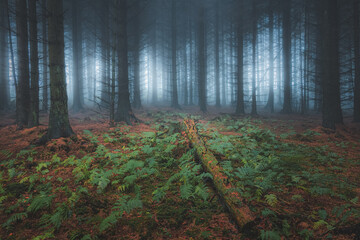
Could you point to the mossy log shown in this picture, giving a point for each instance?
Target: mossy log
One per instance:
(240, 212)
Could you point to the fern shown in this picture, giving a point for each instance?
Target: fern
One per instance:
(186, 191)
(16, 217)
(271, 199)
(130, 180)
(100, 178)
(43, 200)
(320, 190)
(61, 214)
(270, 235)
(158, 194)
(267, 212)
(202, 191)
(124, 204)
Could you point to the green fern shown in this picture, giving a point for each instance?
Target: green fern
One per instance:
(271, 199)
(269, 235)
(124, 204)
(43, 200)
(16, 217)
(202, 191)
(158, 194)
(186, 191)
(61, 214)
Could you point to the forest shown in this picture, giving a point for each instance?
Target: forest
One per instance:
(179, 119)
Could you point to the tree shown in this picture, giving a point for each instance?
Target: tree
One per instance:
(23, 88)
(254, 41)
(34, 59)
(124, 112)
(357, 61)
(217, 51)
(154, 57)
(137, 37)
(77, 57)
(270, 103)
(240, 108)
(59, 125)
(202, 58)
(174, 92)
(45, 58)
(287, 55)
(4, 73)
(331, 112)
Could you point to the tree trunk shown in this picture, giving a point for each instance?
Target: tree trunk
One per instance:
(287, 56)
(105, 84)
(154, 69)
(270, 103)
(318, 64)
(174, 92)
(240, 108)
(202, 59)
(77, 58)
(137, 95)
(186, 78)
(113, 75)
(332, 113)
(23, 91)
(4, 63)
(191, 75)
(45, 58)
(59, 125)
(124, 112)
(34, 58)
(217, 63)
(254, 41)
(357, 62)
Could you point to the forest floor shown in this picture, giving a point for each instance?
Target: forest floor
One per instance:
(145, 181)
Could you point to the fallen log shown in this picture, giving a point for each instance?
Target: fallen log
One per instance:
(240, 212)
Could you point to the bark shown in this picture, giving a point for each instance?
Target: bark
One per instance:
(137, 95)
(154, 70)
(191, 90)
(105, 84)
(4, 63)
(202, 59)
(332, 113)
(270, 103)
(287, 108)
(174, 88)
(254, 41)
(59, 125)
(77, 57)
(112, 95)
(318, 65)
(124, 112)
(23, 90)
(217, 60)
(34, 59)
(45, 58)
(240, 108)
(357, 61)
(186, 93)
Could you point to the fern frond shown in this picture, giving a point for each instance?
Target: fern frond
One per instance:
(109, 221)
(186, 191)
(39, 202)
(271, 199)
(14, 218)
